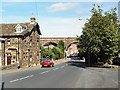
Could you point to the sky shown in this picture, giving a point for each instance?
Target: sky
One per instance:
(56, 19)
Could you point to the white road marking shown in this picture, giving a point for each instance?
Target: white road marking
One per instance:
(45, 72)
(42, 72)
(48, 71)
(31, 75)
(21, 78)
(115, 82)
(62, 66)
(14, 80)
(55, 68)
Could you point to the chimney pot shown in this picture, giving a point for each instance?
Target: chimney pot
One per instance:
(32, 19)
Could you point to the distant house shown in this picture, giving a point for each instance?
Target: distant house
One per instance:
(20, 42)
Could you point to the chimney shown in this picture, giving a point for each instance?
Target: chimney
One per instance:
(32, 20)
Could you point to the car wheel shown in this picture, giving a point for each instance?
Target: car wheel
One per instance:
(52, 65)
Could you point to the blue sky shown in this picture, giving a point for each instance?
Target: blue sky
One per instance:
(56, 19)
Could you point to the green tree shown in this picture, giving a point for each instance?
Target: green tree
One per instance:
(46, 53)
(42, 50)
(61, 45)
(58, 53)
(99, 38)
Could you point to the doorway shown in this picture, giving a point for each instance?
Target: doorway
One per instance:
(8, 60)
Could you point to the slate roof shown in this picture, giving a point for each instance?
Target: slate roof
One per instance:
(9, 29)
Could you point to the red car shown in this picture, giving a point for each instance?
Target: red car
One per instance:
(47, 63)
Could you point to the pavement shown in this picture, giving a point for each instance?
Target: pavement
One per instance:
(29, 68)
(69, 74)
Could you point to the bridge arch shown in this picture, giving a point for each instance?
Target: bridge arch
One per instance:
(68, 41)
(70, 45)
(50, 43)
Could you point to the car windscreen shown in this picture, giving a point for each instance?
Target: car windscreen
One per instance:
(46, 61)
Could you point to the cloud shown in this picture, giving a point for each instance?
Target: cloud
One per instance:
(62, 6)
(58, 1)
(1, 10)
(99, 1)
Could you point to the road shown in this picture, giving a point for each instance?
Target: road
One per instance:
(71, 74)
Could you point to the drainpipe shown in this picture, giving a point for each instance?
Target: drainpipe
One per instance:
(18, 50)
(4, 53)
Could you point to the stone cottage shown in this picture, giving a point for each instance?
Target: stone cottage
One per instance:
(20, 42)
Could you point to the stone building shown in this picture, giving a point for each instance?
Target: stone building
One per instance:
(20, 42)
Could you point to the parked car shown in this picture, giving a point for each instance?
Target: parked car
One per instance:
(47, 63)
(116, 61)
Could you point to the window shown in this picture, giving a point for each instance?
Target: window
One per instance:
(30, 42)
(8, 41)
(30, 58)
(14, 57)
(0, 45)
(18, 28)
(13, 40)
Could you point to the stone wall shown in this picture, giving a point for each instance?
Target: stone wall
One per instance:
(28, 48)
(31, 50)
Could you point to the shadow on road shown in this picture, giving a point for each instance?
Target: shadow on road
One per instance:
(75, 61)
(75, 58)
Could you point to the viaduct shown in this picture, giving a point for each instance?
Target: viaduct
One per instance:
(54, 40)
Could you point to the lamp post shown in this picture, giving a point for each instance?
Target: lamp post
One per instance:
(40, 55)
(64, 48)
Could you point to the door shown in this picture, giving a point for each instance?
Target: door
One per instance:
(8, 60)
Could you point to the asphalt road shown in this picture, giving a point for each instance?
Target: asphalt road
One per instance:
(71, 74)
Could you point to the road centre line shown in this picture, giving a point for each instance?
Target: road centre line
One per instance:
(55, 68)
(115, 82)
(42, 72)
(62, 66)
(21, 78)
(47, 71)
(14, 80)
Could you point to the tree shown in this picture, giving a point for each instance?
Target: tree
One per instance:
(46, 53)
(42, 50)
(61, 45)
(58, 53)
(99, 39)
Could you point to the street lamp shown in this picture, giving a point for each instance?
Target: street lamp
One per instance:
(80, 19)
(40, 55)
(64, 48)
(88, 48)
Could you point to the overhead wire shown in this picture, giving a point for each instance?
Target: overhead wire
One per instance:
(36, 6)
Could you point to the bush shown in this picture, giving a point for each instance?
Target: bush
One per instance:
(58, 53)
(110, 61)
(100, 63)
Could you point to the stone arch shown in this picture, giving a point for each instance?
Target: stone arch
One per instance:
(70, 45)
(50, 43)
